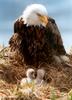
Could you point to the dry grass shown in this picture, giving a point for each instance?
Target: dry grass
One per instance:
(43, 92)
(12, 70)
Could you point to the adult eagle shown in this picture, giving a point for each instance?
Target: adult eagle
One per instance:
(36, 36)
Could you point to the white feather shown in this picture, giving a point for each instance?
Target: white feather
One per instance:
(30, 14)
(25, 81)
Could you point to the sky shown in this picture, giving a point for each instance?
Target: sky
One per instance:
(60, 10)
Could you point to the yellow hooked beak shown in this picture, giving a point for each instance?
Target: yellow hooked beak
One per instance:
(43, 19)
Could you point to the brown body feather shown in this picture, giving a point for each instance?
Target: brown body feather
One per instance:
(37, 44)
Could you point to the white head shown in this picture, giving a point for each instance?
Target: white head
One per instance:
(30, 73)
(40, 73)
(35, 14)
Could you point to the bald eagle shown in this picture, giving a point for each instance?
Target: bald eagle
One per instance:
(36, 35)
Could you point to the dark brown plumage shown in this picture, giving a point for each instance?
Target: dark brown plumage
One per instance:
(37, 44)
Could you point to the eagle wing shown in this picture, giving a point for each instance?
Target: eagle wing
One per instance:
(54, 36)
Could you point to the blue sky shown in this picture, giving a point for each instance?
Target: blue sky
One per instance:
(60, 10)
